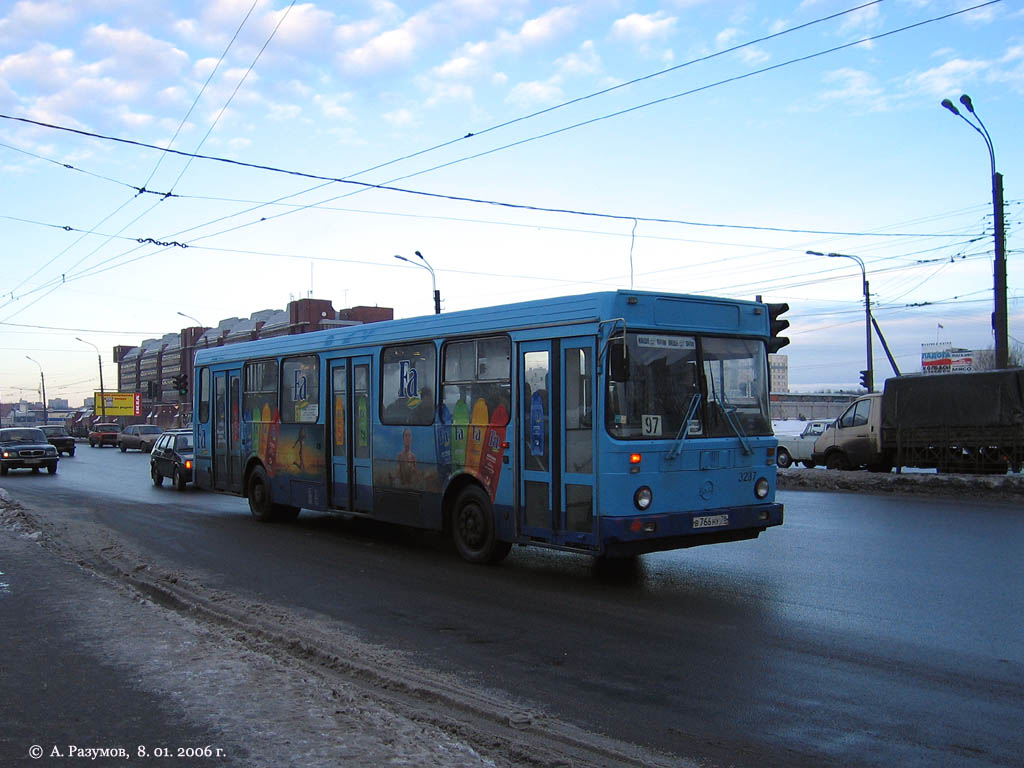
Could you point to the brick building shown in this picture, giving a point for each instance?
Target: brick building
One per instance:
(152, 367)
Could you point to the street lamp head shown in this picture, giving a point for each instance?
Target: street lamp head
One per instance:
(949, 105)
(815, 253)
(401, 258)
(418, 254)
(966, 101)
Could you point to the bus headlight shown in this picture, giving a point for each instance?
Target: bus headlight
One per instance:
(643, 498)
(761, 488)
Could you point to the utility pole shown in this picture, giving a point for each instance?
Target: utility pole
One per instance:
(1000, 321)
(868, 376)
(42, 382)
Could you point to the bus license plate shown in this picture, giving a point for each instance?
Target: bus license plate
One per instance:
(710, 521)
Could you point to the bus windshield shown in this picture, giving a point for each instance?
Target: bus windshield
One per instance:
(720, 383)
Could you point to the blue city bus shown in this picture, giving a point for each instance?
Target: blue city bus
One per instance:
(612, 424)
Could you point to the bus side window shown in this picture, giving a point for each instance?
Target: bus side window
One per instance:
(407, 387)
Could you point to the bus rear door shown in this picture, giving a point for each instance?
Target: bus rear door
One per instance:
(227, 457)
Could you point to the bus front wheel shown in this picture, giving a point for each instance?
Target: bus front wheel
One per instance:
(473, 528)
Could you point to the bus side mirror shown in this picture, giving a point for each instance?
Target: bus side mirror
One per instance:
(618, 361)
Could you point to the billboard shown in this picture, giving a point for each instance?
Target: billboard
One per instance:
(119, 404)
(945, 358)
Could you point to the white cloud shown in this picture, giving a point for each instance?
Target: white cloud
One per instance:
(26, 18)
(399, 117)
(386, 50)
(724, 38)
(459, 67)
(332, 107)
(535, 94)
(641, 28)
(305, 26)
(284, 112)
(864, 20)
(131, 50)
(446, 92)
(547, 26)
(948, 78)
(753, 55)
(854, 85)
(585, 61)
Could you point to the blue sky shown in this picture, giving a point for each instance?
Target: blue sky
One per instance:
(852, 141)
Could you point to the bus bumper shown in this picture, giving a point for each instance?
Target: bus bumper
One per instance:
(627, 536)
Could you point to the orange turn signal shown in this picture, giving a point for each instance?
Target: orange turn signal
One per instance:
(635, 458)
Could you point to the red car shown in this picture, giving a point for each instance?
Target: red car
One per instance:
(104, 434)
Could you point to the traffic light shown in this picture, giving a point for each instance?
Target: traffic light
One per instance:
(181, 384)
(865, 380)
(777, 325)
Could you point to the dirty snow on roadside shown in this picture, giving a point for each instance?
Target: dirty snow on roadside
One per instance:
(293, 688)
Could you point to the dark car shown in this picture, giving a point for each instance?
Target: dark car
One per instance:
(60, 439)
(172, 457)
(26, 448)
(141, 436)
(103, 434)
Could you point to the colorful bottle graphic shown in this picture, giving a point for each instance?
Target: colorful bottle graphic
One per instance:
(493, 450)
(362, 426)
(339, 424)
(272, 435)
(460, 423)
(538, 426)
(264, 431)
(475, 434)
(443, 437)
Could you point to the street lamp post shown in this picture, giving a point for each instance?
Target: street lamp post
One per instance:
(869, 378)
(198, 324)
(999, 316)
(42, 382)
(103, 394)
(433, 278)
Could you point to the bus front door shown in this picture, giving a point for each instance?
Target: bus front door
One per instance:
(556, 443)
(351, 485)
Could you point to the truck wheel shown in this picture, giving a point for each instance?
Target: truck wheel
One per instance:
(783, 459)
(473, 528)
(837, 460)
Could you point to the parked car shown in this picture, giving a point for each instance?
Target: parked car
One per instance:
(793, 448)
(26, 448)
(60, 439)
(103, 434)
(172, 457)
(141, 436)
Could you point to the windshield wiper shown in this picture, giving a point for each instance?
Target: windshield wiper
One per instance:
(683, 428)
(730, 416)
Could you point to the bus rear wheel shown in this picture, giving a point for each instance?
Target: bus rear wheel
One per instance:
(258, 493)
(473, 528)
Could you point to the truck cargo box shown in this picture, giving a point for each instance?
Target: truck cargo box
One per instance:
(983, 399)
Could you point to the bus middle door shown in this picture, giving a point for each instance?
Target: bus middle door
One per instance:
(351, 483)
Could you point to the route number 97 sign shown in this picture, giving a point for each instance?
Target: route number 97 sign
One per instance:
(651, 425)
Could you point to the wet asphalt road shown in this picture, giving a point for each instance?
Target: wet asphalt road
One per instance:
(868, 630)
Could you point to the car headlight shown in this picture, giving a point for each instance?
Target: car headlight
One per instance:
(643, 498)
(761, 488)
